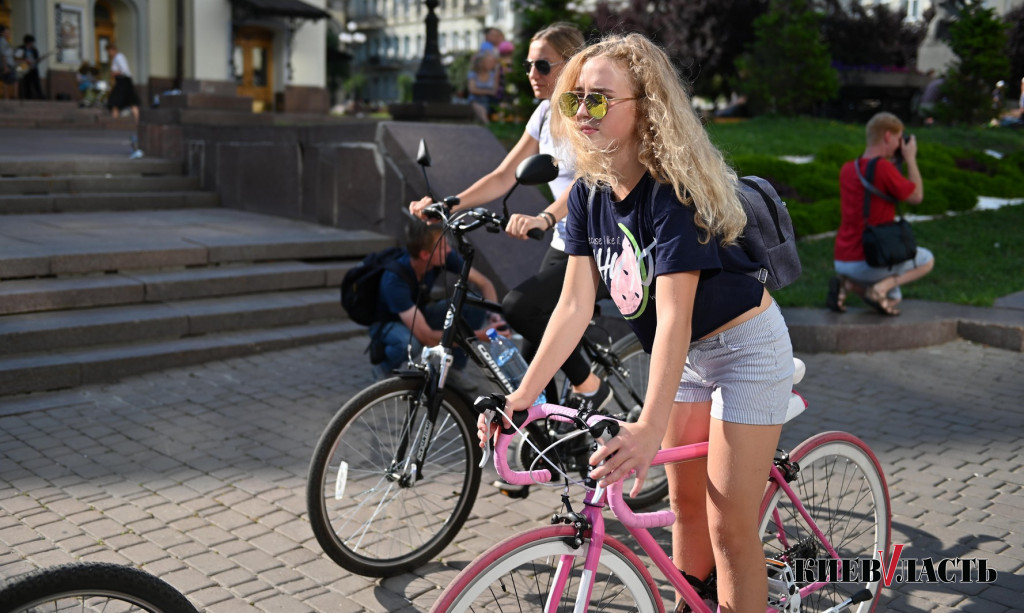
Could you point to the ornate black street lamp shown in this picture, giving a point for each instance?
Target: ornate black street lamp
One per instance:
(431, 84)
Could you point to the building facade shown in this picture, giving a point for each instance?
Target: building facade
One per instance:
(271, 50)
(275, 51)
(385, 38)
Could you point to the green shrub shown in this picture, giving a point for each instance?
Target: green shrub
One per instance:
(946, 194)
(814, 182)
(837, 154)
(815, 218)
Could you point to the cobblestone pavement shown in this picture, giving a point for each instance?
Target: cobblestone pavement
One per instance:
(198, 475)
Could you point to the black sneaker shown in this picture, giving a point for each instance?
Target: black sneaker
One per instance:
(591, 402)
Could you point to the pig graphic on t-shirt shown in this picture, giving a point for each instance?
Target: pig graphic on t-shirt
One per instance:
(626, 286)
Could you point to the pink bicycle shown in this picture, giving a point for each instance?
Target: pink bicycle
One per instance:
(825, 502)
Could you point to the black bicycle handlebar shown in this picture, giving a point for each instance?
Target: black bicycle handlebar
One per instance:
(478, 217)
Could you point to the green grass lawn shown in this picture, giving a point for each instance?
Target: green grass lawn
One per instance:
(978, 256)
(806, 136)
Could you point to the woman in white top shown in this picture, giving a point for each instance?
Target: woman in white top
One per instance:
(529, 306)
(123, 94)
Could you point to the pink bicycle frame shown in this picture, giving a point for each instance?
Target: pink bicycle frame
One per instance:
(636, 524)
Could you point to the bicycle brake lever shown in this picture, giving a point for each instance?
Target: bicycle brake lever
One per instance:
(490, 416)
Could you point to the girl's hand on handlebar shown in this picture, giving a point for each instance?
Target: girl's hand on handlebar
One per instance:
(632, 449)
(416, 207)
(519, 225)
(486, 431)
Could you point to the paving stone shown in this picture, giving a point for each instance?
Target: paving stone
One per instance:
(280, 401)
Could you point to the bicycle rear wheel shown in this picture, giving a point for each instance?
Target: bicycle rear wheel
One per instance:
(91, 586)
(520, 574)
(841, 485)
(630, 386)
(367, 518)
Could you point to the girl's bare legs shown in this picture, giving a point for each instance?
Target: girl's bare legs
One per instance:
(687, 487)
(739, 457)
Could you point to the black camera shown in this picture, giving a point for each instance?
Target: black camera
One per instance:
(897, 157)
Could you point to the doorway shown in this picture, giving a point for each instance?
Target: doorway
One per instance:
(104, 23)
(253, 60)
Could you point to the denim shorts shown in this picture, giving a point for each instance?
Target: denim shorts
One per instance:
(860, 272)
(746, 372)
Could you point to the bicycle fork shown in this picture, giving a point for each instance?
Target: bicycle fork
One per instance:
(407, 466)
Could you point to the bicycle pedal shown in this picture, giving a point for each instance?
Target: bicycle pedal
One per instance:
(512, 491)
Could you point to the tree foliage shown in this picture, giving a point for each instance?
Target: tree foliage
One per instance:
(978, 38)
(1015, 50)
(787, 69)
(872, 37)
(703, 37)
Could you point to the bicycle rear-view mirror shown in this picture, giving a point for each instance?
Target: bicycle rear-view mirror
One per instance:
(537, 169)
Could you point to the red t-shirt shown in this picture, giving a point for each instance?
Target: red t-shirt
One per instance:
(888, 180)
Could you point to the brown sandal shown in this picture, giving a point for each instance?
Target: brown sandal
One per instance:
(880, 302)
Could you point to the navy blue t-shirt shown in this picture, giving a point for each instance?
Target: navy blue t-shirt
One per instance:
(397, 296)
(633, 244)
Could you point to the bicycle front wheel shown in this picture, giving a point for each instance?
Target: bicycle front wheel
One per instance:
(91, 586)
(368, 515)
(630, 387)
(841, 485)
(539, 570)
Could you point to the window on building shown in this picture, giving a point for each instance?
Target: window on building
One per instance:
(914, 10)
(444, 43)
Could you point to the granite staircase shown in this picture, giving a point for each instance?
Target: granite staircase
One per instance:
(59, 114)
(111, 267)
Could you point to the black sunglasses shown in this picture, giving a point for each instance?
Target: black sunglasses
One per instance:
(542, 66)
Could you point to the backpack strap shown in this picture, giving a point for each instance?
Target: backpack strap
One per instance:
(869, 187)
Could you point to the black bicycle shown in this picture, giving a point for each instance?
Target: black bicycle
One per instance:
(395, 473)
(91, 586)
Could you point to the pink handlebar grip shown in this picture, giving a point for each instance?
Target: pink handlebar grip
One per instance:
(636, 520)
(515, 477)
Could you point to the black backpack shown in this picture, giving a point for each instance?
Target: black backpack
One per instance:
(361, 285)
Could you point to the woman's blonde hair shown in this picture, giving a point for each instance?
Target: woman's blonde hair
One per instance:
(671, 142)
(564, 37)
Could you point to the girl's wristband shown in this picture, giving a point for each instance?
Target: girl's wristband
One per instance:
(549, 217)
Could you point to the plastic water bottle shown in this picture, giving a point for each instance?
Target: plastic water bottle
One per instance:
(506, 355)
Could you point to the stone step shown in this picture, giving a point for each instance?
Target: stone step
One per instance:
(49, 371)
(17, 106)
(128, 288)
(86, 202)
(72, 184)
(69, 121)
(57, 330)
(64, 244)
(88, 165)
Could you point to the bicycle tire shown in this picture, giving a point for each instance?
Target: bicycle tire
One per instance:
(842, 486)
(520, 568)
(91, 583)
(636, 362)
(391, 529)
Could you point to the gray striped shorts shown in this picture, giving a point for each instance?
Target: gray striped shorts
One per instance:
(746, 372)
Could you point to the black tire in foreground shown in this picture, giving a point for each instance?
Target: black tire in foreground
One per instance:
(91, 586)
